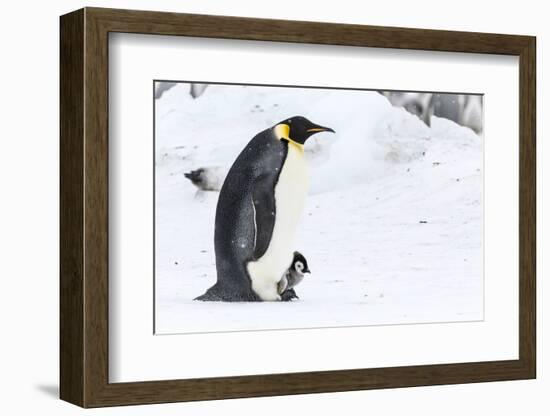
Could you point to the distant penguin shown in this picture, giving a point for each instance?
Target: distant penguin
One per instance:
(161, 87)
(208, 178)
(258, 210)
(197, 90)
(292, 277)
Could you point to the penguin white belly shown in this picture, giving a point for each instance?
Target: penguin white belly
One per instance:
(290, 194)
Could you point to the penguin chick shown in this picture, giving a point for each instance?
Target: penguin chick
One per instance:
(292, 277)
(207, 179)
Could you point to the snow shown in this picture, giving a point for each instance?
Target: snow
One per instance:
(392, 228)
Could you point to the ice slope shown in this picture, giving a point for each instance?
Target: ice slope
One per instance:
(392, 227)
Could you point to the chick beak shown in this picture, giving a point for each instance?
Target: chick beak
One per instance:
(307, 271)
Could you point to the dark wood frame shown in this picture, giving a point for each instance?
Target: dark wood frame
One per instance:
(84, 208)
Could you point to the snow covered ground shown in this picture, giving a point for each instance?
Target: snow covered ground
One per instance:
(392, 228)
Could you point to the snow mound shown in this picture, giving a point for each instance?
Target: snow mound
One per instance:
(392, 228)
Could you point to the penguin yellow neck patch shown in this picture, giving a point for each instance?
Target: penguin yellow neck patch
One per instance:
(282, 131)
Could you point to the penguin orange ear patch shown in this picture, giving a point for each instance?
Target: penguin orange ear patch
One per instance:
(282, 131)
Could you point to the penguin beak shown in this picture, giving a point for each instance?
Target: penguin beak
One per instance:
(318, 129)
(307, 271)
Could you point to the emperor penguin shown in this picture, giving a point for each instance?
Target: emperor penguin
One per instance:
(258, 211)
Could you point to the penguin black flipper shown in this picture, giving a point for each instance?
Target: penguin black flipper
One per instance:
(263, 200)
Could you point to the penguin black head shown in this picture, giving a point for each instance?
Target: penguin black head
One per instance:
(195, 176)
(298, 129)
(299, 263)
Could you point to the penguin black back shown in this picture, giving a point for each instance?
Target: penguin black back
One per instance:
(248, 187)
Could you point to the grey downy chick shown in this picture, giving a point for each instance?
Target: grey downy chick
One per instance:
(207, 178)
(292, 277)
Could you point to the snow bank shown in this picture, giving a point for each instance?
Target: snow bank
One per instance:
(392, 229)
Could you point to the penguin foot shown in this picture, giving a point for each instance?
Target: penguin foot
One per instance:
(288, 295)
(209, 297)
(217, 294)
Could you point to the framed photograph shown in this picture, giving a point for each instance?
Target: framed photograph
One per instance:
(255, 207)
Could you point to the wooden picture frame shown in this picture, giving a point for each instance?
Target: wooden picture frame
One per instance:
(84, 207)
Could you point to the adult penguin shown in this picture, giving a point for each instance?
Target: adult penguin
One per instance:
(258, 210)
